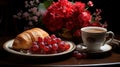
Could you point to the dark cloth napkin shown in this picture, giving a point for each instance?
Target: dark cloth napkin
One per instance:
(115, 45)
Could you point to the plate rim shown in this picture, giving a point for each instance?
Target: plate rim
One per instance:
(6, 46)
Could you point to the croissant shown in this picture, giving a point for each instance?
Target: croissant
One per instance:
(24, 40)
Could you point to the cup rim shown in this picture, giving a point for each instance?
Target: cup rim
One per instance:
(83, 29)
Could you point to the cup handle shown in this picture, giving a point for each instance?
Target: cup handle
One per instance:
(108, 35)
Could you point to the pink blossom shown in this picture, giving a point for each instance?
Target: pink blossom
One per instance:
(42, 12)
(98, 11)
(97, 18)
(37, 1)
(33, 10)
(90, 3)
(105, 25)
(19, 14)
(26, 4)
(29, 18)
(25, 14)
(38, 13)
(15, 16)
(30, 23)
(31, 3)
(35, 18)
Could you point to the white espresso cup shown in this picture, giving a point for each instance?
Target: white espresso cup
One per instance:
(95, 37)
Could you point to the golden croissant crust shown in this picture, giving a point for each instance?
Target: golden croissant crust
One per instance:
(24, 40)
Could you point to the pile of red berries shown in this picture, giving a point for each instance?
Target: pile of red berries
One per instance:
(79, 55)
(79, 52)
(49, 45)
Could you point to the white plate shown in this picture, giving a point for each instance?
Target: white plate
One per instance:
(8, 45)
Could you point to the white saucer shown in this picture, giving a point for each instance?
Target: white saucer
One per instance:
(103, 49)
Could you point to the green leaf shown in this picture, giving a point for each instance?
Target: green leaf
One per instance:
(47, 3)
(42, 6)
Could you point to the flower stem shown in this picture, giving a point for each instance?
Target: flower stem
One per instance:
(87, 8)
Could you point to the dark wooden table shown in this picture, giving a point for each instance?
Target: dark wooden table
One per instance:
(110, 58)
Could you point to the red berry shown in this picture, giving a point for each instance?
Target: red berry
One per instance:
(49, 41)
(34, 43)
(40, 39)
(84, 55)
(50, 46)
(74, 53)
(53, 41)
(46, 48)
(46, 39)
(54, 47)
(61, 46)
(53, 36)
(78, 55)
(34, 47)
(42, 45)
(67, 46)
(58, 40)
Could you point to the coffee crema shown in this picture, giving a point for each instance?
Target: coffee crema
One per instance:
(94, 30)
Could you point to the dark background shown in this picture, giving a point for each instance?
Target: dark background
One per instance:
(110, 13)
